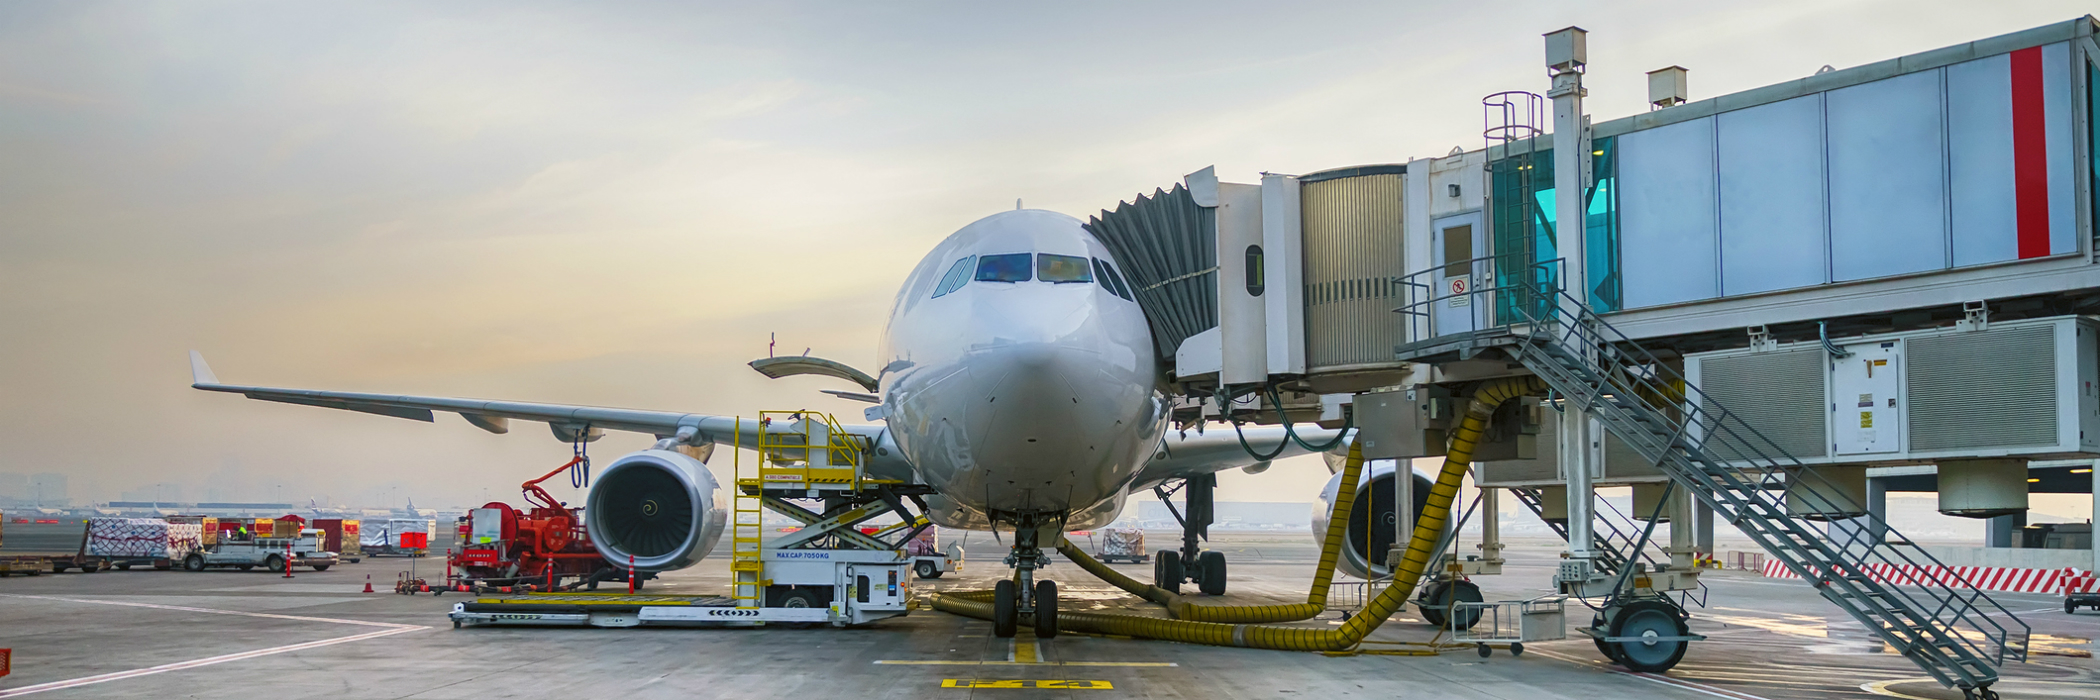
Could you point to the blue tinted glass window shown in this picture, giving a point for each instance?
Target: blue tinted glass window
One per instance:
(1062, 268)
(956, 277)
(1113, 281)
(1008, 267)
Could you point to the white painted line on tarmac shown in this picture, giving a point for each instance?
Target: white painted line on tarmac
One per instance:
(156, 606)
(1653, 678)
(390, 629)
(178, 666)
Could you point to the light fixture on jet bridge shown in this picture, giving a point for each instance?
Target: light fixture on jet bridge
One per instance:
(1666, 87)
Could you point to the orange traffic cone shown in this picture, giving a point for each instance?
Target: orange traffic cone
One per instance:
(368, 583)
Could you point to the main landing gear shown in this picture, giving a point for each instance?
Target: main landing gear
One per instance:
(1022, 595)
(1191, 563)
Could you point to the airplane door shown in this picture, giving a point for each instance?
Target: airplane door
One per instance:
(1459, 307)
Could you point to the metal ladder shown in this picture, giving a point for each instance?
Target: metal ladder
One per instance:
(1938, 620)
(747, 529)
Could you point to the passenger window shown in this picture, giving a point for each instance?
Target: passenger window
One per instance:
(1061, 269)
(1111, 280)
(957, 276)
(1007, 267)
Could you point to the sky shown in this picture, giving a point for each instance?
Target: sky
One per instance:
(620, 204)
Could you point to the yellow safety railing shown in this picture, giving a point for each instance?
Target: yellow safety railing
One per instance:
(814, 451)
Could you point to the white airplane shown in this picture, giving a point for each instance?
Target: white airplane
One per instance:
(1019, 385)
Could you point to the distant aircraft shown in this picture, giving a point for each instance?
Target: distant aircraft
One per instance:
(1020, 382)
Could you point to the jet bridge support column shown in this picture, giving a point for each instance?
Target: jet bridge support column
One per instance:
(1566, 54)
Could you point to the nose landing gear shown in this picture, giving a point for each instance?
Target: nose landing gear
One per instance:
(1022, 595)
(1191, 563)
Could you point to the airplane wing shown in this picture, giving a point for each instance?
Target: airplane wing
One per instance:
(569, 423)
(1185, 454)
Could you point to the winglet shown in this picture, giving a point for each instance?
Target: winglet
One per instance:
(200, 373)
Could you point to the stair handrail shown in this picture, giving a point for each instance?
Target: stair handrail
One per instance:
(1705, 424)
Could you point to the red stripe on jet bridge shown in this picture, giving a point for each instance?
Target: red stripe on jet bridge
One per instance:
(2030, 129)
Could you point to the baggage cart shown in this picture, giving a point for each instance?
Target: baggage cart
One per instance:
(1509, 624)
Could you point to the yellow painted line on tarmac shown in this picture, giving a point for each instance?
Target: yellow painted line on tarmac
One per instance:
(1025, 683)
(1021, 652)
(938, 662)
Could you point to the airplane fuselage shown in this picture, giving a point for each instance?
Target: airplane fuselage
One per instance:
(1019, 374)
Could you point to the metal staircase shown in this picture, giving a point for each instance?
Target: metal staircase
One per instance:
(1939, 621)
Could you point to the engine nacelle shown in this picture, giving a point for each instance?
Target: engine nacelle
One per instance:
(1372, 519)
(661, 507)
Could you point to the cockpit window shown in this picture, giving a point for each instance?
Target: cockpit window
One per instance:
(957, 276)
(1007, 267)
(1111, 280)
(1062, 268)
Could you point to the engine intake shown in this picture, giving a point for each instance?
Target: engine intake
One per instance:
(1369, 537)
(662, 508)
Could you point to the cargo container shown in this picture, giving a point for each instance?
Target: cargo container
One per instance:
(341, 537)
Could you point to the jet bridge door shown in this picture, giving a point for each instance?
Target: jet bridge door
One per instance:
(1866, 401)
(1459, 307)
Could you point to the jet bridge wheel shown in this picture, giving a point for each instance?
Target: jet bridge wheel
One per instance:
(1438, 598)
(1649, 618)
(1045, 609)
(1005, 609)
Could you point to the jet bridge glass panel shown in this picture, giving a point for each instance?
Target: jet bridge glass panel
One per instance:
(1967, 164)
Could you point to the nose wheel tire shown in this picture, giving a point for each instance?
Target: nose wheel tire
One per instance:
(1211, 568)
(1005, 609)
(1045, 609)
(1649, 618)
(1166, 570)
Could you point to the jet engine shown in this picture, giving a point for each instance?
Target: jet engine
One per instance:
(1369, 536)
(660, 507)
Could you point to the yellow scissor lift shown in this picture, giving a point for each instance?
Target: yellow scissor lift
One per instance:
(825, 571)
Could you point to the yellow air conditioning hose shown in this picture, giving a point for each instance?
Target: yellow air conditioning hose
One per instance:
(1315, 600)
(1428, 529)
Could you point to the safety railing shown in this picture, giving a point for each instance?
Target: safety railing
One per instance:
(1919, 606)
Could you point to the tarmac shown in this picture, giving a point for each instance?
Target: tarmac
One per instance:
(231, 634)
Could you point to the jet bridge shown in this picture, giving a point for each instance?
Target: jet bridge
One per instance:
(1917, 234)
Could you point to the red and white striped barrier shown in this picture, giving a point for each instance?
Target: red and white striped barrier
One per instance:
(1988, 578)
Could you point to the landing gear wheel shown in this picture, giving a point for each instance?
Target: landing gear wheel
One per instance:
(1166, 570)
(1005, 610)
(1438, 599)
(194, 562)
(1211, 566)
(1045, 609)
(926, 569)
(1649, 618)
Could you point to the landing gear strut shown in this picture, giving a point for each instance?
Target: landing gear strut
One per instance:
(1022, 594)
(1191, 563)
